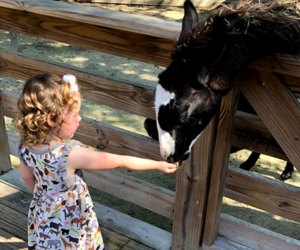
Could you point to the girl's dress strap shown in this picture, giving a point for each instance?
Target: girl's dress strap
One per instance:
(69, 180)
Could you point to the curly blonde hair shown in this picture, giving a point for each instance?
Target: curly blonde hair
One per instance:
(43, 95)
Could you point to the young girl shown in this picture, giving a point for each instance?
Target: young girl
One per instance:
(61, 214)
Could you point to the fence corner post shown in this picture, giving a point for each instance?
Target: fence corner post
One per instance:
(5, 163)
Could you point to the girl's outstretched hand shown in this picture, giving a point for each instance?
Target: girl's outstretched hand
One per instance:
(166, 167)
(85, 158)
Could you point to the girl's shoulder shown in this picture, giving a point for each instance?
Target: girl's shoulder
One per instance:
(43, 149)
(68, 146)
(73, 143)
(32, 155)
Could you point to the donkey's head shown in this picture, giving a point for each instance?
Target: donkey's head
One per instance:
(205, 62)
(184, 101)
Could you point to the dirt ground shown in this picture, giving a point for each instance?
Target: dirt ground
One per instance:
(142, 74)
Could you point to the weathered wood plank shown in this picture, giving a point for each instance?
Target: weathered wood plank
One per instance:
(254, 236)
(247, 121)
(278, 109)
(115, 140)
(158, 50)
(253, 141)
(145, 25)
(136, 46)
(292, 82)
(9, 215)
(125, 96)
(5, 164)
(269, 195)
(219, 165)
(223, 244)
(134, 245)
(202, 4)
(13, 143)
(192, 183)
(138, 230)
(10, 242)
(250, 133)
(283, 64)
(152, 197)
(12, 197)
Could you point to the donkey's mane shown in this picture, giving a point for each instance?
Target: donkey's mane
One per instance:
(209, 56)
(237, 34)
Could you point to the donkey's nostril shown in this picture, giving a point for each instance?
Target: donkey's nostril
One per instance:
(171, 159)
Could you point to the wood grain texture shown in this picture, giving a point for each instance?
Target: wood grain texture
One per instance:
(145, 25)
(278, 109)
(219, 165)
(267, 194)
(280, 63)
(125, 96)
(251, 133)
(202, 4)
(292, 82)
(11, 213)
(221, 244)
(260, 143)
(247, 121)
(136, 46)
(139, 192)
(5, 164)
(254, 236)
(10, 242)
(192, 185)
(115, 140)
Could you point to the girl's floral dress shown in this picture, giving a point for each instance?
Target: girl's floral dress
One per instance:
(61, 214)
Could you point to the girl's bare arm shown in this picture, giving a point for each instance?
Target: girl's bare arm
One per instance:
(27, 175)
(84, 158)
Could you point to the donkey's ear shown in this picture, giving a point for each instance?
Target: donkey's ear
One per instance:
(190, 20)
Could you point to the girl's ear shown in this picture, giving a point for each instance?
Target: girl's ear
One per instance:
(50, 120)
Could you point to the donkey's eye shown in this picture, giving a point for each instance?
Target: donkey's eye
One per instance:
(182, 121)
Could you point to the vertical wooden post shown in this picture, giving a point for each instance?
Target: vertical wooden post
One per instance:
(191, 193)
(5, 164)
(219, 166)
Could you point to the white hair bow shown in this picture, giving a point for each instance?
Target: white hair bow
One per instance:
(72, 80)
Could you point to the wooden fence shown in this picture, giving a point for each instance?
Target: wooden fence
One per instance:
(203, 4)
(204, 179)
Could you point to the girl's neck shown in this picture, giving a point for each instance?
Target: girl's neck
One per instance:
(54, 140)
(50, 143)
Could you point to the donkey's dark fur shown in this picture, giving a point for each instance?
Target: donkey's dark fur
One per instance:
(206, 60)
